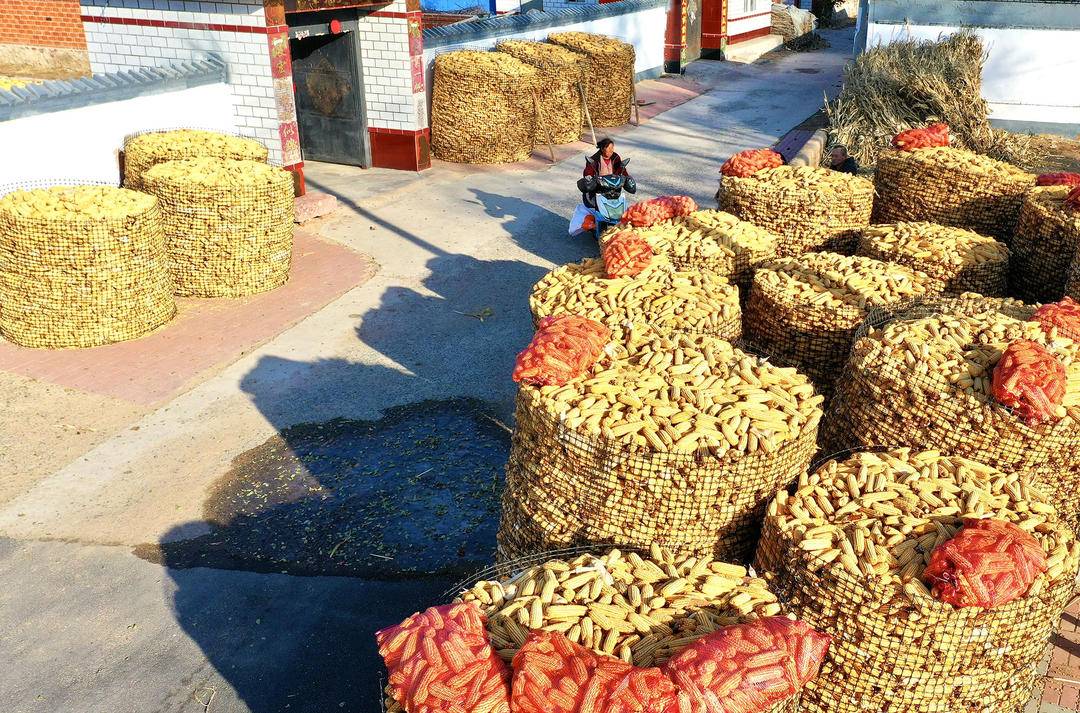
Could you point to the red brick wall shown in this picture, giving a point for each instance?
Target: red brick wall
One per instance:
(42, 23)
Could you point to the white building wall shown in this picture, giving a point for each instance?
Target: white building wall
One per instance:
(748, 16)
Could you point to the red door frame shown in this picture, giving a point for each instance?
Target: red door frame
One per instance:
(713, 28)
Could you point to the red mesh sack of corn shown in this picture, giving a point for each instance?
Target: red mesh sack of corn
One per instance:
(1029, 380)
(562, 349)
(646, 213)
(914, 139)
(554, 675)
(680, 205)
(1072, 201)
(1058, 179)
(625, 255)
(746, 667)
(987, 564)
(440, 661)
(747, 163)
(1064, 315)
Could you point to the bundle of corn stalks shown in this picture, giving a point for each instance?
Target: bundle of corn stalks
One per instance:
(911, 83)
(790, 22)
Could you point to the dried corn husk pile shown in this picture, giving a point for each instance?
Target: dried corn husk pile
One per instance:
(790, 22)
(950, 186)
(805, 310)
(145, 150)
(962, 260)
(81, 266)
(1046, 240)
(609, 74)
(677, 440)
(561, 73)
(659, 300)
(483, 107)
(923, 380)
(709, 240)
(810, 208)
(228, 224)
(846, 553)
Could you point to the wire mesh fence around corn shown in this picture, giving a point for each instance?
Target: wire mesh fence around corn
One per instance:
(1072, 286)
(145, 149)
(678, 441)
(921, 378)
(1046, 241)
(483, 107)
(228, 224)
(962, 260)
(950, 186)
(609, 74)
(562, 72)
(846, 554)
(81, 265)
(810, 208)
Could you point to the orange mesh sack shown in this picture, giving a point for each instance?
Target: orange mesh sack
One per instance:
(914, 139)
(747, 667)
(747, 163)
(440, 661)
(625, 255)
(658, 210)
(988, 564)
(1031, 381)
(562, 349)
(1058, 179)
(1064, 316)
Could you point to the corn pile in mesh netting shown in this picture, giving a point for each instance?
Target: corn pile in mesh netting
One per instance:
(806, 310)
(659, 299)
(709, 240)
(642, 608)
(483, 107)
(677, 440)
(923, 379)
(228, 224)
(962, 260)
(81, 266)
(809, 208)
(609, 74)
(561, 73)
(1046, 240)
(846, 554)
(950, 186)
(143, 151)
(1072, 286)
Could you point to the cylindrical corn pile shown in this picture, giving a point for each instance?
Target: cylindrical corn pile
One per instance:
(483, 107)
(1046, 240)
(847, 552)
(228, 224)
(145, 150)
(962, 260)
(923, 380)
(658, 300)
(609, 75)
(561, 72)
(81, 266)
(1072, 287)
(950, 186)
(805, 310)
(710, 240)
(679, 441)
(810, 208)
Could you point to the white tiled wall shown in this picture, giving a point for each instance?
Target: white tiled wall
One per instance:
(388, 88)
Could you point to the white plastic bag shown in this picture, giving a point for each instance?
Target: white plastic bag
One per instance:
(578, 220)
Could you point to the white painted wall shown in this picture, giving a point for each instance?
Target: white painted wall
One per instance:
(748, 15)
(1030, 74)
(83, 142)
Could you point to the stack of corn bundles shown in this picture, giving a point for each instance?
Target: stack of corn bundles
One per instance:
(561, 73)
(483, 107)
(1047, 237)
(710, 240)
(847, 553)
(81, 266)
(228, 224)
(609, 74)
(805, 310)
(660, 299)
(810, 208)
(950, 186)
(677, 440)
(791, 22)
(963, 261)
(145, 150)
(924, 380)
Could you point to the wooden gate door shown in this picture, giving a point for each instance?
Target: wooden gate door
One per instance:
(329, 99)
